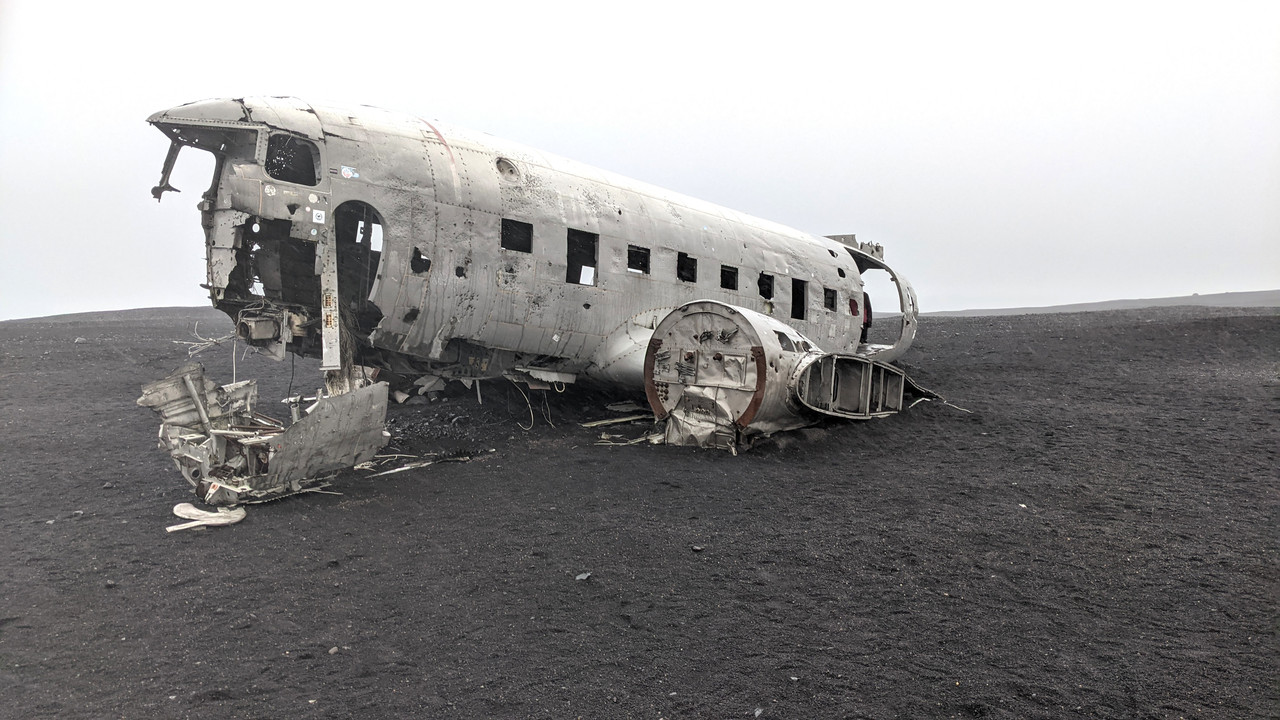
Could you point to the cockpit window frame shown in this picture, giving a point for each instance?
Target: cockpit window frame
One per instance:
(293, 171)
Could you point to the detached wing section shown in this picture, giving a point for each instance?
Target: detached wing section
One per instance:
(232, 454)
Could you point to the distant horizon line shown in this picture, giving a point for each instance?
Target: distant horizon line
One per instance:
(1241, 299)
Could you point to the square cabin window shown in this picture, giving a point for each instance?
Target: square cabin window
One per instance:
(765, 283)
(517, 236)
(829, 298)
(728, 277)
(638, 259)
(580, 260)
(686, 268)
(799, 298)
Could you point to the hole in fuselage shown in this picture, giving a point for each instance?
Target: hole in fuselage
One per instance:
(419, 263)
(358, 232)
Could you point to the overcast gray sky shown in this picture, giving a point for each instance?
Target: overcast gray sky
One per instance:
(1005, 154)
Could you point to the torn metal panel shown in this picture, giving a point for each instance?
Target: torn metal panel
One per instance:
(340, 432)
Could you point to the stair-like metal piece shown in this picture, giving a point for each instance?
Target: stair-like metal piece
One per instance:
(852, 387)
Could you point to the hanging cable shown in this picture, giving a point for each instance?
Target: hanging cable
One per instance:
(527, 404)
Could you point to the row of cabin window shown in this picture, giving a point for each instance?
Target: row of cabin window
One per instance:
(580, 261)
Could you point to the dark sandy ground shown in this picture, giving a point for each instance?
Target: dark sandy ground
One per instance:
(1096, 539)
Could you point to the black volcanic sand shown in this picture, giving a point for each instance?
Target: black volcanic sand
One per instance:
(1097, 538)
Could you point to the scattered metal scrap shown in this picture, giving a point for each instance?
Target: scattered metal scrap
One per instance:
(421, 464)
(618, 421)
(653, 438)
(232, 454)
(205, 518)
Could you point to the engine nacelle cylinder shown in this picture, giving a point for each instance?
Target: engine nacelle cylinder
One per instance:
(718, 374)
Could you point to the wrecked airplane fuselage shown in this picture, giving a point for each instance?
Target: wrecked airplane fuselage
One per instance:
(395, 248)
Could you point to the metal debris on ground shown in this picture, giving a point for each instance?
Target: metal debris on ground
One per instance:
(618, 421)
(204, 518)
(379, 460)
(231, 454)
(421, 464)
(654, 438)
(626, 406)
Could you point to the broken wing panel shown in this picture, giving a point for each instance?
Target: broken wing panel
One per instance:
(342, 431)
(231, 454)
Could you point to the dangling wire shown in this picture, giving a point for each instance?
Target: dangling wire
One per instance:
(546, 409)
(527, 404)
(194, 348)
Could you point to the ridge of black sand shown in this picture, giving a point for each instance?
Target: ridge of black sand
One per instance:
(1246, 299)
(1253, 298)
(1096, 538)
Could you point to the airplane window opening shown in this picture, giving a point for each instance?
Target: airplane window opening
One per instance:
(840, 271)
(357, 229)
(765, 283)
(517, 236)
(785, 341)
(799, 298)
(686, 268)
(728, 277)
(638, 259)
(419, 263)
(293, 160)
(507, 170)
(581, 257)
(829, 298)
(370, 234)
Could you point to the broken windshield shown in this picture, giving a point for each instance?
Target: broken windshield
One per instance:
(222, 142)
(293, 159)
